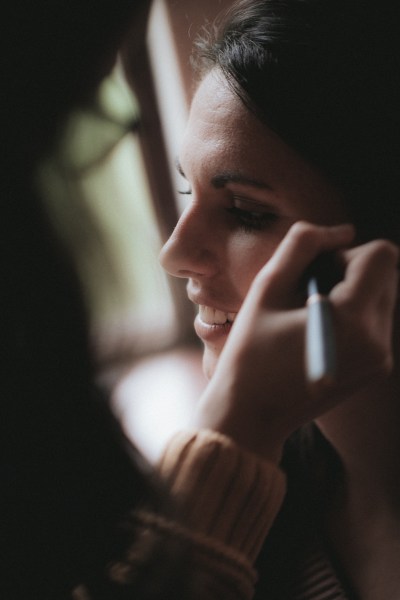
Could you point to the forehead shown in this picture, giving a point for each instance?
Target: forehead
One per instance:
(218, 120)
(222, 133)
(224, 136)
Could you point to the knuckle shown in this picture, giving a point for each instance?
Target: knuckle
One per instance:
(348, 305)
(384, 252)
(301, 228)
(303, 233)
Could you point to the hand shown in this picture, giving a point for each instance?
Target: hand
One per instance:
(258, 394)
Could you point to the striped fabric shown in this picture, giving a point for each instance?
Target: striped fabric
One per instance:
(317, 579)
(307, 571)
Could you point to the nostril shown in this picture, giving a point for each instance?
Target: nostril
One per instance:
(189, 274)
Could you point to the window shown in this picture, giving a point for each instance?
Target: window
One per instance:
(99, 199)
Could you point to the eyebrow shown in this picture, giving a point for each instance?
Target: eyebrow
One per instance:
(221, 180)
(179, 168)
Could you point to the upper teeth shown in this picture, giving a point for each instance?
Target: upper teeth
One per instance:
(213, 316)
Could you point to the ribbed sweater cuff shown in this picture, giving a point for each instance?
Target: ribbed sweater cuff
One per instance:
(227, 493)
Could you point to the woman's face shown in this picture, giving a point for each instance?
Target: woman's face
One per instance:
(245, 188)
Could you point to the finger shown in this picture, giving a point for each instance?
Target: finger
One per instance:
(304, 242)
(371, 275)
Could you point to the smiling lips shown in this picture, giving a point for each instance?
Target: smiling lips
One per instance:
(213, 316)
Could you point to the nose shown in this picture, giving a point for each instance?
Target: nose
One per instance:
(188, 252)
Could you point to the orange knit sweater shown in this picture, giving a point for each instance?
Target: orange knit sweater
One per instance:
(228, 500)
(230, 497)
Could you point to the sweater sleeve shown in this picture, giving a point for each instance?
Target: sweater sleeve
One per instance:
(229, 499)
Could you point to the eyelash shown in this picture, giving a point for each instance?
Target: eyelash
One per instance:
(248, 220)
(251, 221)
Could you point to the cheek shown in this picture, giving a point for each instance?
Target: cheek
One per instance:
(245, 257)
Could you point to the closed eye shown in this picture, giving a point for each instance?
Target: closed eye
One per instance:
(250, 215)
(251, 221)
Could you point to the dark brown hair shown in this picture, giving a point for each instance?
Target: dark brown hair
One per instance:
(324, 74)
